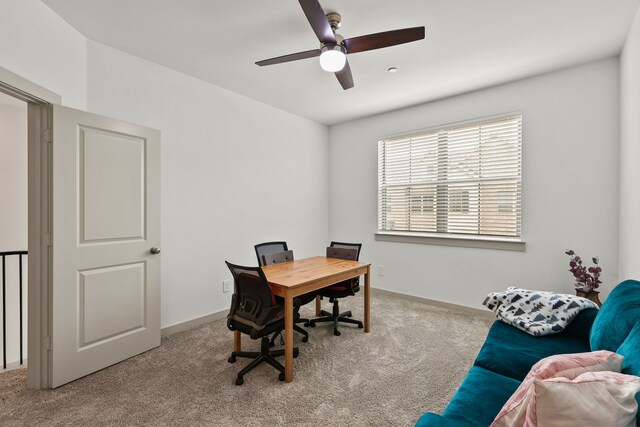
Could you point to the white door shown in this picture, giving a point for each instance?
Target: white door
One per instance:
(105, 303)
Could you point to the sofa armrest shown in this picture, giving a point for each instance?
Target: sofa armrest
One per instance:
(433, 420)
(580, 327)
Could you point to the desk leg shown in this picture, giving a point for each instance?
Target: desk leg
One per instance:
(318, 305)
(236, 341)
(367, 301)
(288, 337)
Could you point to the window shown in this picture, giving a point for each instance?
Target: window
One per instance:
(422, 203)
(459, 180)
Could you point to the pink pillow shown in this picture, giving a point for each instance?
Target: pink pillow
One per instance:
(565, 374)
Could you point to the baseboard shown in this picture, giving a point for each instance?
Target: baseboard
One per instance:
(14, 365)
(193, 323)
(435, 303)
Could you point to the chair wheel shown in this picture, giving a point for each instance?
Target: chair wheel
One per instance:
(231, 359)
(336, 333)
(281, 376)
(296, 352)
(360, 326)
(305, 339)
(239, 381)
(349, 314)
(312, 324)
(306, 324)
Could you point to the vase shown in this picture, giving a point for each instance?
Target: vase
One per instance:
(591, 296)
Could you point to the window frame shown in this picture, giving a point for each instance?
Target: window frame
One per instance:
(515, 243)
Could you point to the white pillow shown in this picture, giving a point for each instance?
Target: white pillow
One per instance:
(560, 390)
(592, 399)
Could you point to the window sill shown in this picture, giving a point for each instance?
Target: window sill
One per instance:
(497, 243)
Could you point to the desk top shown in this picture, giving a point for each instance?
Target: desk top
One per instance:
(308, 270)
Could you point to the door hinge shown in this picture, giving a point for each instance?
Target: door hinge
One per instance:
(46, 239)
(46, 135)
(46, 343)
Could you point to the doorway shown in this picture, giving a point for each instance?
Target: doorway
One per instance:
(13, 232)
(93, 184)
(38, 100)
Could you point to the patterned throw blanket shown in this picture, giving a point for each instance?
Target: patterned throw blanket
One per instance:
(536, 312)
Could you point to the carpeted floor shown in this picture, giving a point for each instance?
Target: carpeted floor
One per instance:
(412, 361)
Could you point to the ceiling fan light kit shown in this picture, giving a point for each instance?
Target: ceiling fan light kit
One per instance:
(332, 57)
(334, 48)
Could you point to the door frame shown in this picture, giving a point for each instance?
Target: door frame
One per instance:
(39, 112)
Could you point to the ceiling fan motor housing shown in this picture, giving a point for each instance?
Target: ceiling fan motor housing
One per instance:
(339, 40)
(335, 20)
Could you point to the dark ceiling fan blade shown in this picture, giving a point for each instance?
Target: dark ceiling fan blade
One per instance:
(344, 76)
(289, 58)
(318, 20)
(386, 39)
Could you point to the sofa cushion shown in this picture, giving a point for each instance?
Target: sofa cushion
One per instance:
(618, 314)
(581, 325)
(433, 420)
(630, 350)
(511, 352)
(479, 398)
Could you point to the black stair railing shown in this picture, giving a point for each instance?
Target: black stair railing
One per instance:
(4, 256)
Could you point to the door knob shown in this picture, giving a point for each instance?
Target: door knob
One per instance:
(155, 251)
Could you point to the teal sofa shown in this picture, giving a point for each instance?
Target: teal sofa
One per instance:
(508, 354)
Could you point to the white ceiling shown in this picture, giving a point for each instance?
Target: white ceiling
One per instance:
(469, 44)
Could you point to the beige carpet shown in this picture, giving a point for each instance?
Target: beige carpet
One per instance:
(412, 361)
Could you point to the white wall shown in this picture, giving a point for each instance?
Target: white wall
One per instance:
(235, 172)
(570, 187)
(40, 46)
(630, 154)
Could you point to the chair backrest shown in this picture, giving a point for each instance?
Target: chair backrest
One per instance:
(267, 248)
(342, 253)
(252, 297)
(277, 257)
(350, 251)
(344, 245)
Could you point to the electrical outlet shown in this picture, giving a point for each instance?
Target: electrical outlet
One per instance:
(226, 285)
(381, 270)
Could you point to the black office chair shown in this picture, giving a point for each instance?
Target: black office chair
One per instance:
(340, 290)
(278, 252)
(267, 248)
(255, 312)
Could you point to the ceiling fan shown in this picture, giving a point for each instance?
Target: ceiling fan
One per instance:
(334, 48)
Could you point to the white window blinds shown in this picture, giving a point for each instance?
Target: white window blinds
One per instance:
(464, 179)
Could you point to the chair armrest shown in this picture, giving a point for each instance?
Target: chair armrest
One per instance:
(269, 313)
(433, 420)
(234, 301)
(354, 285)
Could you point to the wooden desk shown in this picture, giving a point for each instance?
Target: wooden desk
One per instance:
(290, 279)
